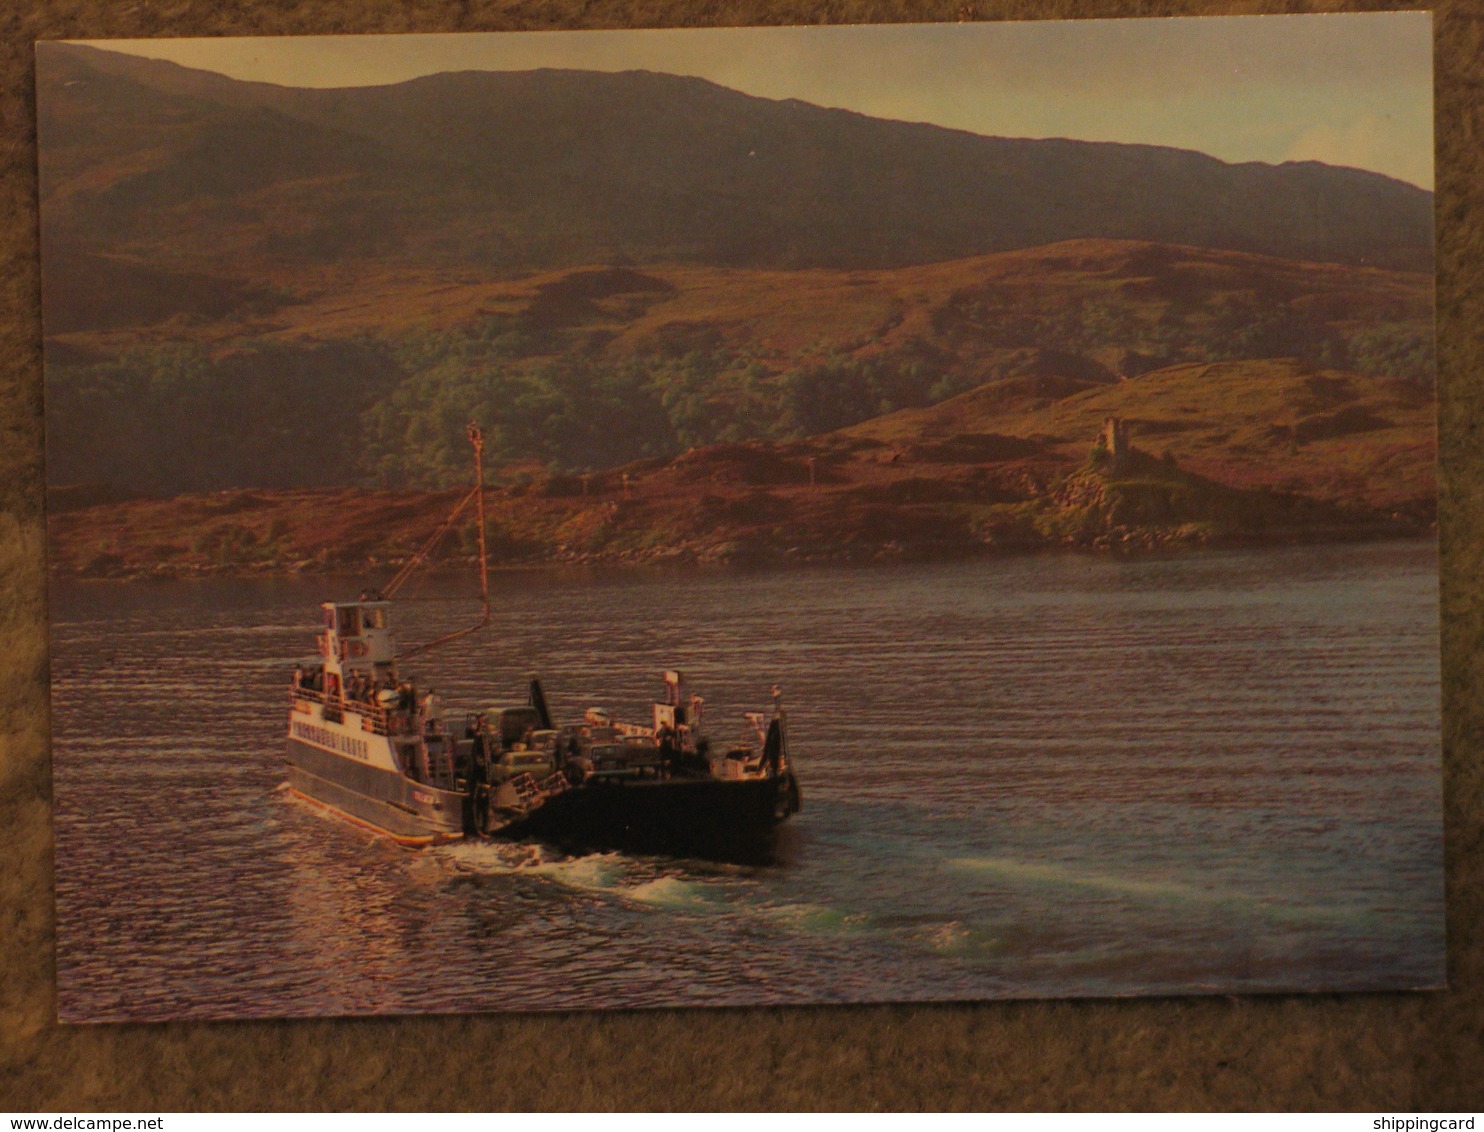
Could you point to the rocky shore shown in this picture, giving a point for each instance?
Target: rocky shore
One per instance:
(1147, 506)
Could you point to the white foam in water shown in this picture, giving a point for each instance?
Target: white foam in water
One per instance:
(602, 872)
(490, 857)
(671, 892)
(949, 937)
(595, 873)
(426, 868)
(814, 919)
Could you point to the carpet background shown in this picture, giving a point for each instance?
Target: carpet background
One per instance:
(1380, 1052)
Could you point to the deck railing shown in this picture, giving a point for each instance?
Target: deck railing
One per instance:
(374, 718)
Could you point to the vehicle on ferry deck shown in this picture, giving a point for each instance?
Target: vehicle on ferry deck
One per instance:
(364, 743)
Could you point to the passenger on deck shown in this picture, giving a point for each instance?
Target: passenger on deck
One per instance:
(430, 712)
(298, 676)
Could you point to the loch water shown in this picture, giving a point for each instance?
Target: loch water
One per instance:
(1028, 777)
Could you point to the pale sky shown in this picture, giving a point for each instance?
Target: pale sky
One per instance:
(1347, 88)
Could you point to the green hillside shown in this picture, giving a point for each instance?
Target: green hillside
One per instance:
(1244, 452)
(582, 370)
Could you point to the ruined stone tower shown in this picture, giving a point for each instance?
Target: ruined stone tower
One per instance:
(1114, 438)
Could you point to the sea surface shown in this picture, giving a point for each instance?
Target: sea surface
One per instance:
(1030, 777)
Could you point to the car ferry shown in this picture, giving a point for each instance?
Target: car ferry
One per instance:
(365, 744)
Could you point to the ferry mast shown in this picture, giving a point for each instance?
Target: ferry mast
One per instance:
(476, 496)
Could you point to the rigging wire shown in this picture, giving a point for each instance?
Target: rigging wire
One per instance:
(476, 440)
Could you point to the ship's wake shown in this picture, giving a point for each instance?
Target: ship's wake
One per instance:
(647, 882)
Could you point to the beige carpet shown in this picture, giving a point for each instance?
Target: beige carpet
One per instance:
(1396, 1052)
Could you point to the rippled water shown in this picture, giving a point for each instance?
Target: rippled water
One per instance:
(1038, 777)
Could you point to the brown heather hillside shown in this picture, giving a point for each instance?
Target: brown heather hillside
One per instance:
(1241, 452)
(590, 368)
(607, 268)
(1278, 424)
(979, 309)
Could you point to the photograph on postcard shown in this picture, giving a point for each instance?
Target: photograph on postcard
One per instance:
(723, 517)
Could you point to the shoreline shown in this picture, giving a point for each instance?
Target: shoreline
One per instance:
(1134, 543)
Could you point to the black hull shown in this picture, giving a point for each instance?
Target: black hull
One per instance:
(711, 818)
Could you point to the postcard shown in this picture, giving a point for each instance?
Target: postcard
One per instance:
(742, 516)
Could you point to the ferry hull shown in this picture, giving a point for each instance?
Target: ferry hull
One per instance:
(383, 800)
(713, 818)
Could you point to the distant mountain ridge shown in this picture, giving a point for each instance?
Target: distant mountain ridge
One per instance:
(510, 172)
